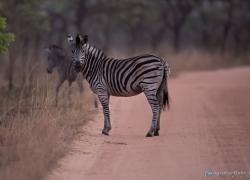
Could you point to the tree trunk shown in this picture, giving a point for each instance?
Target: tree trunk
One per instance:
(107, 39)
(133, 41)
(53, 32)
(63, 30)
(205, 35)
(157, 38)
(80, 15)
(227, 27)
(24, 57)
(12, 60)
(35, 58)
(176, 39)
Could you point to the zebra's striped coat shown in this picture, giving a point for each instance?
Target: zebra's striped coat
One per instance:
(123, 77)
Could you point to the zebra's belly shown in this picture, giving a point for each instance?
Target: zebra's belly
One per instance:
(126, 93)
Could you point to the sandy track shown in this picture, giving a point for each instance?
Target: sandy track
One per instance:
(207, 128)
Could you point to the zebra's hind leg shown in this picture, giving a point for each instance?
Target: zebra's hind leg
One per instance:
(104, 99)
(159, 96)
(158, 125)
(155, 106)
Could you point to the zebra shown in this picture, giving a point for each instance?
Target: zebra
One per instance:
(58, 58)
(122, 77)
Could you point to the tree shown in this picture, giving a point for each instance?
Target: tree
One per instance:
(26, 22)
(5, 38)
(171, 16)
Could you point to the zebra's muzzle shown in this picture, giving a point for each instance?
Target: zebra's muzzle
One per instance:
(78, 66)
(49, 71)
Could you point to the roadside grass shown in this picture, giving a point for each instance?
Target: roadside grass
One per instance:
(34, 133)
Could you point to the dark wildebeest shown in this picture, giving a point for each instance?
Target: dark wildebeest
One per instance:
(58, 58)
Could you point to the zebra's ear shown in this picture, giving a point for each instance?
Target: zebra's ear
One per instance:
(85, 39)
(78, 39)
(47, 50)
(70, 39)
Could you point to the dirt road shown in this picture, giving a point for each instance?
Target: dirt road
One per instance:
(206, 131)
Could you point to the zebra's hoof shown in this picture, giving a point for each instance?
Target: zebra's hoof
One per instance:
(149, 134)
(156, 133)
(96, 104)
(105, 133)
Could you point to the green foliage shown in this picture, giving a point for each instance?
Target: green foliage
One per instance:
(5, 38)
(26, 14)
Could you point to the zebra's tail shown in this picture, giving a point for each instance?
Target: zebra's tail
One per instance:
(164, 88)
(165, 97)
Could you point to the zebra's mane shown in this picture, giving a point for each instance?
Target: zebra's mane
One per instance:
(57, 50)
(54, 46)
(92, 49)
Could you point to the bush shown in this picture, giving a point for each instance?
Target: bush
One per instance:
(5, 38)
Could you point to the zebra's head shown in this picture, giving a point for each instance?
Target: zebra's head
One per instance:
(55, 54)
(78, 51)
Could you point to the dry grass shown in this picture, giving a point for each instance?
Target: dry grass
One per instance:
(193, 60)
(33, 133)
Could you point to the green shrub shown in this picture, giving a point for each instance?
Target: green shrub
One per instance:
(5, 38)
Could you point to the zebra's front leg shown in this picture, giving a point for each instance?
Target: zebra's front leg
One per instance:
(104, 99)
(57, 91)
(80, 85)
(155, 106)
(69, 93)
(95, 101)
